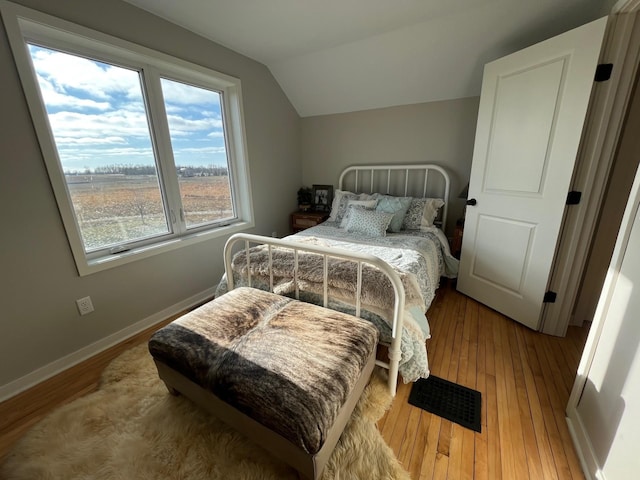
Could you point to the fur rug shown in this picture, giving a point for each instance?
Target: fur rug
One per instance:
(131, 428)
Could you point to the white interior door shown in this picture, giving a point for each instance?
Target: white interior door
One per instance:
(532, 109)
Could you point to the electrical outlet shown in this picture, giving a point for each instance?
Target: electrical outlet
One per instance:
(84, 305)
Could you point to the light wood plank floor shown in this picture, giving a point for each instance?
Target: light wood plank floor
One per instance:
(525, 379)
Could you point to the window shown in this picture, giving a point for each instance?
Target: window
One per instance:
(145, 152)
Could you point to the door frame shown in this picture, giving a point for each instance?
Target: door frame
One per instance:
(579, 433)
(600, 137)
(625, 25)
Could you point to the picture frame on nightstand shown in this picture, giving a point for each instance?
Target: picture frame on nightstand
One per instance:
(322, 198)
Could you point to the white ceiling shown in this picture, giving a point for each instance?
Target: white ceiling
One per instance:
(334, 56)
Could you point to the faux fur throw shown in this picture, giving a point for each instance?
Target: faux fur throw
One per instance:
(377, 292)
(288, 365)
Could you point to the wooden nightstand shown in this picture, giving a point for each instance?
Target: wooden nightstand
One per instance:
(302, 220)
(456, 241)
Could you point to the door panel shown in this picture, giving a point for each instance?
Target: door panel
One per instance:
(504, 268)
(530, 135)
(532, 109)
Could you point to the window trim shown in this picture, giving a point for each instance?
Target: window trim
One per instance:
(24, 24)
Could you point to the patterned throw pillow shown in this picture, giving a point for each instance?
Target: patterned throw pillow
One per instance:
(368, 222)
(421, 213)
(339, 205)
(396, 205)
(368, 204)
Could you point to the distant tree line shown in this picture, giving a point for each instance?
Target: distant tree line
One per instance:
(202, 171)
(183, 171)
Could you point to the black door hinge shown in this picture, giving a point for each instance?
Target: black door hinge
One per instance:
(603, 72)
(550, 297)
(573, 197)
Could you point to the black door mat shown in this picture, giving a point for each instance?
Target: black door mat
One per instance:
(448, 400)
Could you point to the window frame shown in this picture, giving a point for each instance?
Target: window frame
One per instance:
(24, 25)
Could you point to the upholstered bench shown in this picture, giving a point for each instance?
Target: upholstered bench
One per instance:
(285, 373)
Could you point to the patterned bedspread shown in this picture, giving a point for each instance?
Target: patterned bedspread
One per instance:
(421, 258)
(423, 253)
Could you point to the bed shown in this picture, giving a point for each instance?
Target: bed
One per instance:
(379, 256)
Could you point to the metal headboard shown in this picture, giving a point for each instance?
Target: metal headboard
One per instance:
(412, 180)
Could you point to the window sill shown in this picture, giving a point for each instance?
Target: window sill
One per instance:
(89, 266)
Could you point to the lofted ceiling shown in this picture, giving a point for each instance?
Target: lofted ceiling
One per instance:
(335, 56)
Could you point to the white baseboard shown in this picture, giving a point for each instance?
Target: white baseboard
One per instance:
(43, 373)
(584, 448)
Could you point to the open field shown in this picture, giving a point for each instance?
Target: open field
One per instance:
(112, 209)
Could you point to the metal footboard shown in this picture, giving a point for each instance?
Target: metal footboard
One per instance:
(359, 258)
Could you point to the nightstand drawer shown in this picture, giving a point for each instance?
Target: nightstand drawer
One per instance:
(302, 220)
(305, 222)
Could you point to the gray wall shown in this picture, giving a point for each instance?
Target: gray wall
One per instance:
(38, 320)
(438, 132)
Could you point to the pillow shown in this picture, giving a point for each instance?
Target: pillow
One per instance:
(367, 204)
(339, 204)
(368, 222)
(396, 205)
(340, 198)
(421, 213)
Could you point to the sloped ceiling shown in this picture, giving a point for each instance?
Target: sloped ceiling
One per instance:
(335, 56)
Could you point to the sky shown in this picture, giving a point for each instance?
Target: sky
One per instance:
(97, 115)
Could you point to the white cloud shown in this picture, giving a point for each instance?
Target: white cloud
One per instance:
(183, 94)
(68, 72)
(121, 123)
(93, 141)
(110, 152)
(183, 126)
(174, 109)
(54, 98)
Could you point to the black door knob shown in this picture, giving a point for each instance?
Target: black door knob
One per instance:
(472, 202)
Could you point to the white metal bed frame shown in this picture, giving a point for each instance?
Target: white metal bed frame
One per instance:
(423, 169)
(359, 258)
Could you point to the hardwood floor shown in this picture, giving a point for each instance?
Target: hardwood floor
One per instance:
(525, 379)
